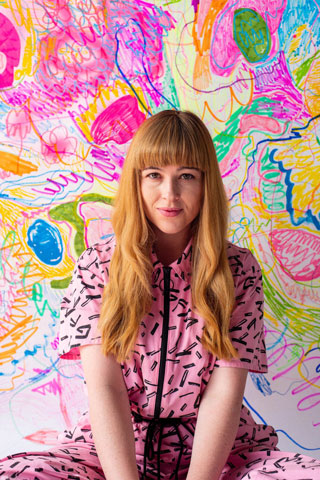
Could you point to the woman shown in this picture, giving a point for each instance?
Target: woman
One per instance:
(167, 349)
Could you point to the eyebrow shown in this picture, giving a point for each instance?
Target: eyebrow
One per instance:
(180, 168)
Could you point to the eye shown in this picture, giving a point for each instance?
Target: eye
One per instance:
(153, 175)
(187, 176)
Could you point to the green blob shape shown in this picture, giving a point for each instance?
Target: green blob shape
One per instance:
(96, 197)
(61, 284)
(68, 212)
(251, 34)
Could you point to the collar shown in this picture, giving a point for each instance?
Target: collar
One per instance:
(182, 266)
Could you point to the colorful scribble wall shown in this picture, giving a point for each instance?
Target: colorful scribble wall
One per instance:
(77, 77)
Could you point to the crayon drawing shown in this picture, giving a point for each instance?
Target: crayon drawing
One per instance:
(77, 78)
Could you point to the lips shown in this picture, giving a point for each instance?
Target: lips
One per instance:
(169, 212)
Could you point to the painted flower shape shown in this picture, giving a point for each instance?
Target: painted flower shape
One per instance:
(58, 146)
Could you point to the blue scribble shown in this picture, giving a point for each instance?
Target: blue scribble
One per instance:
(261, 383)
(254, 411)
(281, 336)
(132, 45)
(307, 216)
(46, 242)
(296, 443)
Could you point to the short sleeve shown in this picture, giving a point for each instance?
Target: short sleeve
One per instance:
(246, 323)
(80, 307)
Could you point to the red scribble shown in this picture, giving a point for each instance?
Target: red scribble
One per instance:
(44, 436)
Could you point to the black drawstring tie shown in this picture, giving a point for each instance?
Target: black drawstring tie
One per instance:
(160, 423)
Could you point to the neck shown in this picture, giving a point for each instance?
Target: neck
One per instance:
(169, 247)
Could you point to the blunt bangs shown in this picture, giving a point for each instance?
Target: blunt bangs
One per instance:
(172, 138)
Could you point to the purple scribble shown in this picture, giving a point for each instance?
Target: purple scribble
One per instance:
(276, 82)
(195, 4)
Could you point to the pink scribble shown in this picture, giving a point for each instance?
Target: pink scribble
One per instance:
(18, 123)
(118, 122)
(298, 253)
(306, 402)
(56, 144)
(76, 55)
(55, 343)
(9, 51)
(97, 221)
(52, 387)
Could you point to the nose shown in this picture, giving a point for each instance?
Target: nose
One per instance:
(170, 190)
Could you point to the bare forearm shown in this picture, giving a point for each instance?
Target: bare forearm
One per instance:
(216, 429)
(113, 434)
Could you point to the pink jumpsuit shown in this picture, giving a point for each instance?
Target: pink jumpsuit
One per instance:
(166, 377)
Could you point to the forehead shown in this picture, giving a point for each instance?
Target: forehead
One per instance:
(170, 168)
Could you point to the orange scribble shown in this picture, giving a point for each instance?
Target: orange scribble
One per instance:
(202, 34)
(221, 120)
(14, 164)
(18, 334)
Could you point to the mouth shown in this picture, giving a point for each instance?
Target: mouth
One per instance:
(169, 212)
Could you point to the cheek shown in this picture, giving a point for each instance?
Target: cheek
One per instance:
(197, 200)
(146, 197)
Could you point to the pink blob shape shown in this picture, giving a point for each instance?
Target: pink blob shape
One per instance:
(10, 47)
(298, 253)
(118, 122)
(257, 122)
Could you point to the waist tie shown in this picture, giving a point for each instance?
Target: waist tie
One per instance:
(160, 422)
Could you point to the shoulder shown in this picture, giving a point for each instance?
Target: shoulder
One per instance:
(241, 260)
(97, 257)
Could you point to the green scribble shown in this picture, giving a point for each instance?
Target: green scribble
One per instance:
(223, 142)
(304, 68)
(274, 191)
(37, 298)
(37, 294)
(251, 34)
(263, 106)
(304, 323)
(12, 234)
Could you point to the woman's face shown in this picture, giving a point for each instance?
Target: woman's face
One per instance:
(172, 197)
